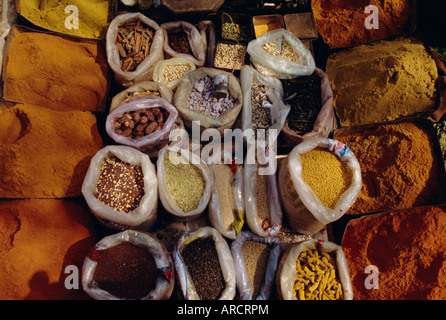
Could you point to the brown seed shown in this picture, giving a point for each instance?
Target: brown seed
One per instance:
(151, 127)
(141, 127)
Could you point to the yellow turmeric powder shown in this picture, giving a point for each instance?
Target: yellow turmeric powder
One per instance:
(57, 73)
(93, 16)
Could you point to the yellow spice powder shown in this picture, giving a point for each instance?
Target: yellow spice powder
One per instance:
(326, 175)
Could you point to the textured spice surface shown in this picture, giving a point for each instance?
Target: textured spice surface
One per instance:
(398, 166)
(407, 247)
(126, 271)
(262, 199)
(45, 153)
(224, 179)
(382, 82)
(326, 175)
(120, 185)
(341, 22)
(38, 240)
(179, 42)
(185, 182)
(56, 73)
(255, 255)
(201, 260)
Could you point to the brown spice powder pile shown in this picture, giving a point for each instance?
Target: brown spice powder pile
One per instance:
(407, 247)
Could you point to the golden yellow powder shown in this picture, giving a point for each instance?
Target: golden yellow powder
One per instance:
(326, 175)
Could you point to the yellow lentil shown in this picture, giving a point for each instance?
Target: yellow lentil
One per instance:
(185, 182)
(326, 175)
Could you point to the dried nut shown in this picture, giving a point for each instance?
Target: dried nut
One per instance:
(151, 127)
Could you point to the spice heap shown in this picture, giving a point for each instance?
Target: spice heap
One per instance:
(139, 123)
(382, 82)
(317, 277)
(224, 178)
(173, 72)
(125, 270)
(201, 260)
(134, 41)
(235, 31)
(255, 255)
(56, 72)
(399, 167)
(230, 56)
(285, 51)
(262, 199)
(408, 247)
(261, 107)
(326, 175)
(303, 94)
(201, 99)
(179, 42)
(120, 184)
(185, 182)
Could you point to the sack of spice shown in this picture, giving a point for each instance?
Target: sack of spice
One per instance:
(324, 261)
(262, 201)
(185, 183)
(121, 188)
(279, 53)
(195, 98)
(204, 266)
(227, 204)
(311, 112)
(183, 40)
(134, 45)
(142, 89)
(318, 182)
(170, 71)
(142, 123)
(255, 262)
(129, 265)
(263, 106)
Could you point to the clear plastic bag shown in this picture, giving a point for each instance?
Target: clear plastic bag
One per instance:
(243, 285)
(166, 276)
(224, 257)
(141, 218)
(144, 71)
(165, 195)
(305, 212)
(149, 143)
(287, 273)
(196, 42)
(277, 66)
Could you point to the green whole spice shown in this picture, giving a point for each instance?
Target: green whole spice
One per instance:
(201, 260)
(185, 182)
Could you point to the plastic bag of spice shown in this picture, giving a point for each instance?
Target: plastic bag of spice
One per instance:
(323, 113)
(183, 40)
(142, 89)
(195, 102)
(206, 268)
(143, 211)
(116, 42)
(143, 123)
(318, 182)
(226, 205)
(116, 274)
(255, 266)
(185, 183)
(279, 53)
(287, 270)
(263, 106)
(170, 71)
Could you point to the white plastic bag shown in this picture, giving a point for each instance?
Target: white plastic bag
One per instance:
(224, 257)
(305, 212)
(243, 285)
(149, 143)
(277, 66)
(159, 70)
(166, 197)
(274, 91)
(166, 276)
(287, 273)
(144, 71)
(196, 42)
(141, 218)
